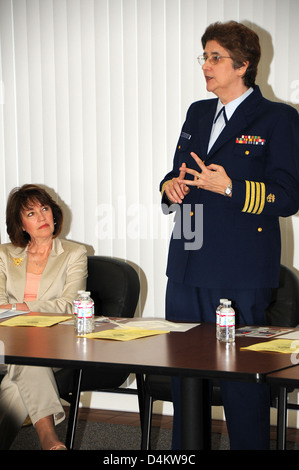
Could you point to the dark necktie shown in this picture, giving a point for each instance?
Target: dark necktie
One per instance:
(217, 127)
(222, 110)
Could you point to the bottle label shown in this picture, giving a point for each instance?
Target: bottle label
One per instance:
(227, 319)
(85, 310)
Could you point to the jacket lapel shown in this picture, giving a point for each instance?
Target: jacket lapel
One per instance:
(204, 130)
(17, 264)
(52, 267)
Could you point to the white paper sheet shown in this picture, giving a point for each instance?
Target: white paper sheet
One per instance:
(155, 324)
(292, 335)
(10, 313)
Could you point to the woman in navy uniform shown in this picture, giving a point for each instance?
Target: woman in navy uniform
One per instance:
(235, 172)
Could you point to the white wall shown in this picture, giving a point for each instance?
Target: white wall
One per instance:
(93, 94)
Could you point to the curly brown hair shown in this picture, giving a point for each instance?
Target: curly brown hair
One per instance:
(20, 199)
(241, 42)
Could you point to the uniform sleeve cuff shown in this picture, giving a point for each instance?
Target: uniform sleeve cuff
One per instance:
(249, 196)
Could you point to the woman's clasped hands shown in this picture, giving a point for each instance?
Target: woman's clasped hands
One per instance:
(211, 178)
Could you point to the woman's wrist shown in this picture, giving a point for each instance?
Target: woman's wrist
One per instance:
(15, 306)
(22, 306)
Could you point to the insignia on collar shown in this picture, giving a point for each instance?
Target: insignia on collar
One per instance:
(17, 261)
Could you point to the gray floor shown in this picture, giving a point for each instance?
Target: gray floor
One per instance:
(98, 436)
(103, 436)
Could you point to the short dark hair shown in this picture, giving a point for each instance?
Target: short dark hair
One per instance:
(241, 42)
(20, 199)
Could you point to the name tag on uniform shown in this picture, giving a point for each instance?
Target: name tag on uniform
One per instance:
(185, 135)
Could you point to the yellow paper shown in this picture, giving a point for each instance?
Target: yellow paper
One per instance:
(286, 346)
(33, 320)
(124, 334)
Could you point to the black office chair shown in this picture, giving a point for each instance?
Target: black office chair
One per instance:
(114, 287)
(284, 307)
(283, 311)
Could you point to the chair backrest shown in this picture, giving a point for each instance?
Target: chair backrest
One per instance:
(114, 286)
(284, 307)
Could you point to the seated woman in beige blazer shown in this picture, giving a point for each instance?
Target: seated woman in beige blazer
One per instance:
(39, 273)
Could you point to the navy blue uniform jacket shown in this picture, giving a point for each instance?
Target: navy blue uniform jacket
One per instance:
(259, 149)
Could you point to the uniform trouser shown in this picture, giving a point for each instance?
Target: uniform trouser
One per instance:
(26, 391)
(246, 405)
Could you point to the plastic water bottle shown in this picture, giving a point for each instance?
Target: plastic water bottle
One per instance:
(85, 314)
(227, 323)
(218, 317)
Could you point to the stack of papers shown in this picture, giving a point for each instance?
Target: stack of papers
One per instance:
(286, 346)
(123, 334)
(261, 331)
(129, 329)
(286, 343)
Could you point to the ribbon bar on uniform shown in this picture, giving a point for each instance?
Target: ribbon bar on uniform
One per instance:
(250, 139)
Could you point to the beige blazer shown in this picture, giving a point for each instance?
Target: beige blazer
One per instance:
(64, 274)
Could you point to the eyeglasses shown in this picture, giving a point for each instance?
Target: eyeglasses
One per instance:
(213, 59)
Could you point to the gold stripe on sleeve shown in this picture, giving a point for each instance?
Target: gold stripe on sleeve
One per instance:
(247, 196)
(257, 197)
(263, 198)
(252, 196)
